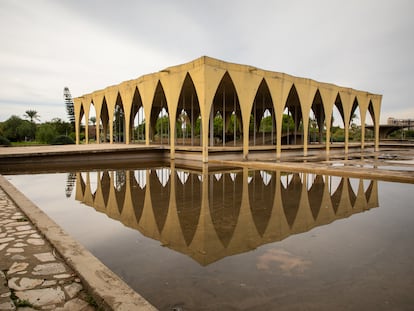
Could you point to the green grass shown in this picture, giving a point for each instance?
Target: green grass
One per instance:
(23, 303)
(20, 302)
(26, 143)
(91, 301)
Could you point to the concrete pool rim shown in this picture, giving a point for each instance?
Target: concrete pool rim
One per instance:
(109, 291)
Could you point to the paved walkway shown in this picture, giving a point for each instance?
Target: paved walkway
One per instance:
(32, 275)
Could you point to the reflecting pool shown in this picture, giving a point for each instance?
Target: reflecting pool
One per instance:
(240, 239)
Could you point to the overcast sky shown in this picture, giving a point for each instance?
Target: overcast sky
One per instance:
(46, 45)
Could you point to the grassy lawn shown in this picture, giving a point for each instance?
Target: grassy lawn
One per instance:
(26, 143)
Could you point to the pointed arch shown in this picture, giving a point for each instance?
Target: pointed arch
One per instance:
(119, 125)
(104, 119)
(355, 122)
(261, 197)
(188, 214)
(225, 204)
(225, 116)
(370, 120)
(105, 185)
(94, 122)
(188, 115)
(338, 121)
(315, 195)
(291, 198)
(137, 118)
(159, 120)
(317, 120)
(369, 190)
(160, 185)
(340, 108)
(262, 129)
(372, 112)
(81, 120)
(355, 106)
(352, 193)
(294, 114)
(137, 195)
(86, 103)
(120, 188)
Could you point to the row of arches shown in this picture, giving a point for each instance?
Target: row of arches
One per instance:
(175, 205)
(226, 108)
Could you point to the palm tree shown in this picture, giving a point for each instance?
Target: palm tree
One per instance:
(32, 115)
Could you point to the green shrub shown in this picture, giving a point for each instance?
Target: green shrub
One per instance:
(339, 138)
(4, 141)
(72, 135)
(62, 140)
(45, 133)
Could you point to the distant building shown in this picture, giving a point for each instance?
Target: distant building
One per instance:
(407, 123)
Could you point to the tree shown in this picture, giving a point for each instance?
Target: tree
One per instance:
(162, 126)
(45, 133)
(218, 125)
(61, 127)
(140, 131)
(32, 115)
(70, 184)
(17, 129)
(93, 120)
(288, 124)
(70, 110)
(266, 125)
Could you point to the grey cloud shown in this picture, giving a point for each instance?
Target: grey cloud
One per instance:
(361, 44)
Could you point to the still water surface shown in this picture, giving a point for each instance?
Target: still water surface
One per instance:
(241, 239)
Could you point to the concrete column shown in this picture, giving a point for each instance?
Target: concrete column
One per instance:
(77, 110)
(245, 139)
(328, 120)
(279, 128)
(173, 120)
(87, 126)
(205, 128)
(111, 128)
(363, 116)
(98, 108)
(147, 131)
(328, 100)
(346, 137)
(376, 136)
(305, 125)
(127, 115)
(77, 132)
(377, 108)
(77, 129)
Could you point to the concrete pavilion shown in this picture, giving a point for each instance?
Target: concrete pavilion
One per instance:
(208, 103)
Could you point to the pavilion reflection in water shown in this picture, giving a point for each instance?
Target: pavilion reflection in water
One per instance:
(211, 215)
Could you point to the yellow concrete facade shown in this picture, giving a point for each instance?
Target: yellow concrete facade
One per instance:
(241, 95)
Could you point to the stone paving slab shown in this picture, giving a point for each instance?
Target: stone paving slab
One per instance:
(32, 274)
(45, 267)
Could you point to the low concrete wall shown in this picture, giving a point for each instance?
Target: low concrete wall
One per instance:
(108, 290)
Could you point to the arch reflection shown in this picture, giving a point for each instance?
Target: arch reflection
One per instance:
(211, 215)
